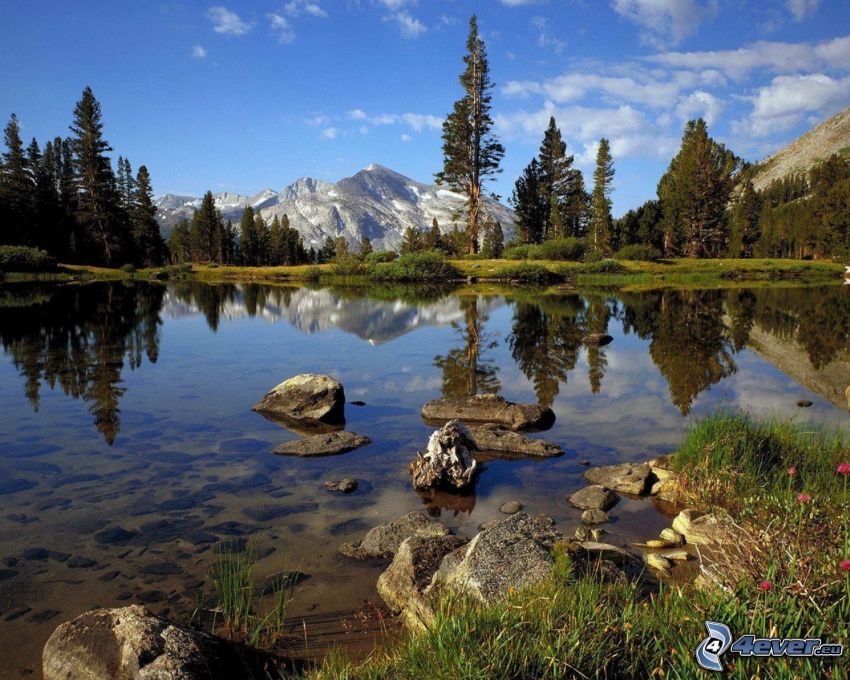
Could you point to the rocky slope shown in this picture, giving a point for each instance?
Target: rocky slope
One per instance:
(377, 203)
(831, 136)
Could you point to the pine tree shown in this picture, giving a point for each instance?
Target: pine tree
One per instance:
(471, 153)
(179, 245)
(530, 204)
(261, 236)
(97, 200)
(202, 233)
(575, 211)
(365, 246)
(556, 175)
(327, 251)
(44, 198)
(277, 243)
(15, 187)
(745, 221)
(601, 221)
(434, 239)
(411, 241)
(694, 194)
(247, 237)
(494, 240)
(72, 236)
(340, 248)
(150, 248)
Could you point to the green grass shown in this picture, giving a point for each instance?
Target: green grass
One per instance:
(575, 626)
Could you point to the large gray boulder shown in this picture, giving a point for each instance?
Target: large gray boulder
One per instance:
(489, 408)
(329, 444)
(447, 462)
(132, 644)
(382, 541)
(631, 478)
(307, 398)
(514, 553)
(402, 585)
(499, 439)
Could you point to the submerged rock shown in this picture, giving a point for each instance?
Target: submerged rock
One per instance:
(306, 397)
(630, 478)
(382, 541)
(347, 485)
(328, 444)
(132, 644)
(701, 528)
(514, 553)
(510, 508)
(594, 497)
(594, 516)
(497, 438)
(447, 462)
(490, 408)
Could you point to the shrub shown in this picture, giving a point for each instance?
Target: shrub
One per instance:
(606, 266)
(128, 268)
(348, 265)
(639, 251)
(425, 266)
(518, 252)
(313, 274)
(23, 259)
(533, 274)
(381, 256)
(560, 249)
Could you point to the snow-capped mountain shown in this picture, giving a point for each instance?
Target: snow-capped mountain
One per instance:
(377, 203)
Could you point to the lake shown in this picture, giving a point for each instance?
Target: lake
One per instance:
(129, 453)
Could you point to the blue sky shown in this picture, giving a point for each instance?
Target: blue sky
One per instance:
(244, 96)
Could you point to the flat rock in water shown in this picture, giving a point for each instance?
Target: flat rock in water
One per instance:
(510, 508)
(804, 403)
(597, 340)
(490, 408)
(514, 553)
(306, 397)
(701, 528)
(594, 516)
(630, 478)
(328, 444)
(594, 497)
(346, 485)
(499, 439)
(606, 551)
(382, 541)
(132, 644)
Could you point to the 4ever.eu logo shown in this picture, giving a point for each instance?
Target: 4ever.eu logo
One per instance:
(719, 641)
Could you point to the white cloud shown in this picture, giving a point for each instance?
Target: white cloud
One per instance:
(545, 38)
(281, 26)
(521, 3)
(788, 99)
(570, 87)
(406, 138)
(416, 121)
(409, 26)
(358, 114)
(801, 8)
(227, 22)
(395, 4)
(199, 52)
(699, 104)
(317, 121)
(296, 8)
(665, 21)
(419, 121)
(775, 57)
(330, 133)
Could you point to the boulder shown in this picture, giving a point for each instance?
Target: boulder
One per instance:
(597, 340)
(594, 516)
(402, 585)
(594, 497)
(630, 478)
(510, 508)
(347, 485)
(307, 398)
(382, 541)
(701, 528)
(490, 408)
(447, 462)
(132, 644)
(328, 444)
(499, 439)
(514, 553)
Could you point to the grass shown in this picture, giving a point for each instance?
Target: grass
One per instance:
(576, 626)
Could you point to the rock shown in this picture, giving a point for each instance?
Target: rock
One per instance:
(700, 528)
(597, 534)
(668, 490)
(656, 544)
(328, 444)
(488, 524)
(582, 534)
(346, 485)
(133, 644)
(677, 555)
(357, 403)
(656, 561)
(584, 463)
(594, 516)
(497, 438)
(402, 585)
(594, 497)
(513, 554)
(305, 397)
(447, 462)
(597, 340)
(382, 541)
(803, 403)
(490, 408)
(672, 536)
(631, 478)
(606, 551)
(510, 508)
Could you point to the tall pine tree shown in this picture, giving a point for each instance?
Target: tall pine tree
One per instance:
(601, 221)
(15, 188)
(471, 152)
(530, 203)
(150, 248)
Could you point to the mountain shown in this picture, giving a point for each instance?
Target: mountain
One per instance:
(831, 136)
(376, 202)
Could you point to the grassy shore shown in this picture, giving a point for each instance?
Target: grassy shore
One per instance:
(786, 576)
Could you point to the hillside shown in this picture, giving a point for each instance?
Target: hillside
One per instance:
(376, 202)
(831, 136)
